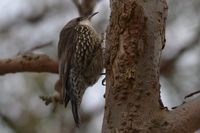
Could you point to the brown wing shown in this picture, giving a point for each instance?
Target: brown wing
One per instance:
(66, 47)
(63, 41)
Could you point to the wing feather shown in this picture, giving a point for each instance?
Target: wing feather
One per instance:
(66, 48)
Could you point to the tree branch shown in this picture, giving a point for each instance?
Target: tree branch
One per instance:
(28, 63)
(185, 118)
(134, 41)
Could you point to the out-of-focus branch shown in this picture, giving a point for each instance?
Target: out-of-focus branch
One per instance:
(28, 63)
(35, 47)
(167, 65)
(185, 118)
(77, 4)
(32, 18)
(85, 7)
(10, 123)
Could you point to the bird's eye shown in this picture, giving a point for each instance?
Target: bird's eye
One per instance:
(78, 19)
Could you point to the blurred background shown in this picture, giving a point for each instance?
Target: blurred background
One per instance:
(25, 24)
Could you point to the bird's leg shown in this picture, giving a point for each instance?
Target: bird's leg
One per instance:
(103, 82)
(104, 79)
(103, 73)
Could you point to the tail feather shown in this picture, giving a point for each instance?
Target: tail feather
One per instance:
(75, 112)
(70, 96)
(66, 100)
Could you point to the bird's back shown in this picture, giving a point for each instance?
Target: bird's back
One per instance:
(81, 63)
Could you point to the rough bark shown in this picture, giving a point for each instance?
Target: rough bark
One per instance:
(135, 38)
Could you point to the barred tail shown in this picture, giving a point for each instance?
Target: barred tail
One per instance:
(66, 100)
(69, 96)
(66, 97)
(75, 112)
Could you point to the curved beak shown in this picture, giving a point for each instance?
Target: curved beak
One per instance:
(92, 15)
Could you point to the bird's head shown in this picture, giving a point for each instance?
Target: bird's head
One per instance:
(84, 20)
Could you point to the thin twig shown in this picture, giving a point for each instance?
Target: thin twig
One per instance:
(36, 47)
(41, 46)
(192, 94)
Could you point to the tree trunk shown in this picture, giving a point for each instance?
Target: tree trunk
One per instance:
(135, 38)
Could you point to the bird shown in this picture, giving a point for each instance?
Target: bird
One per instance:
(80, 57)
